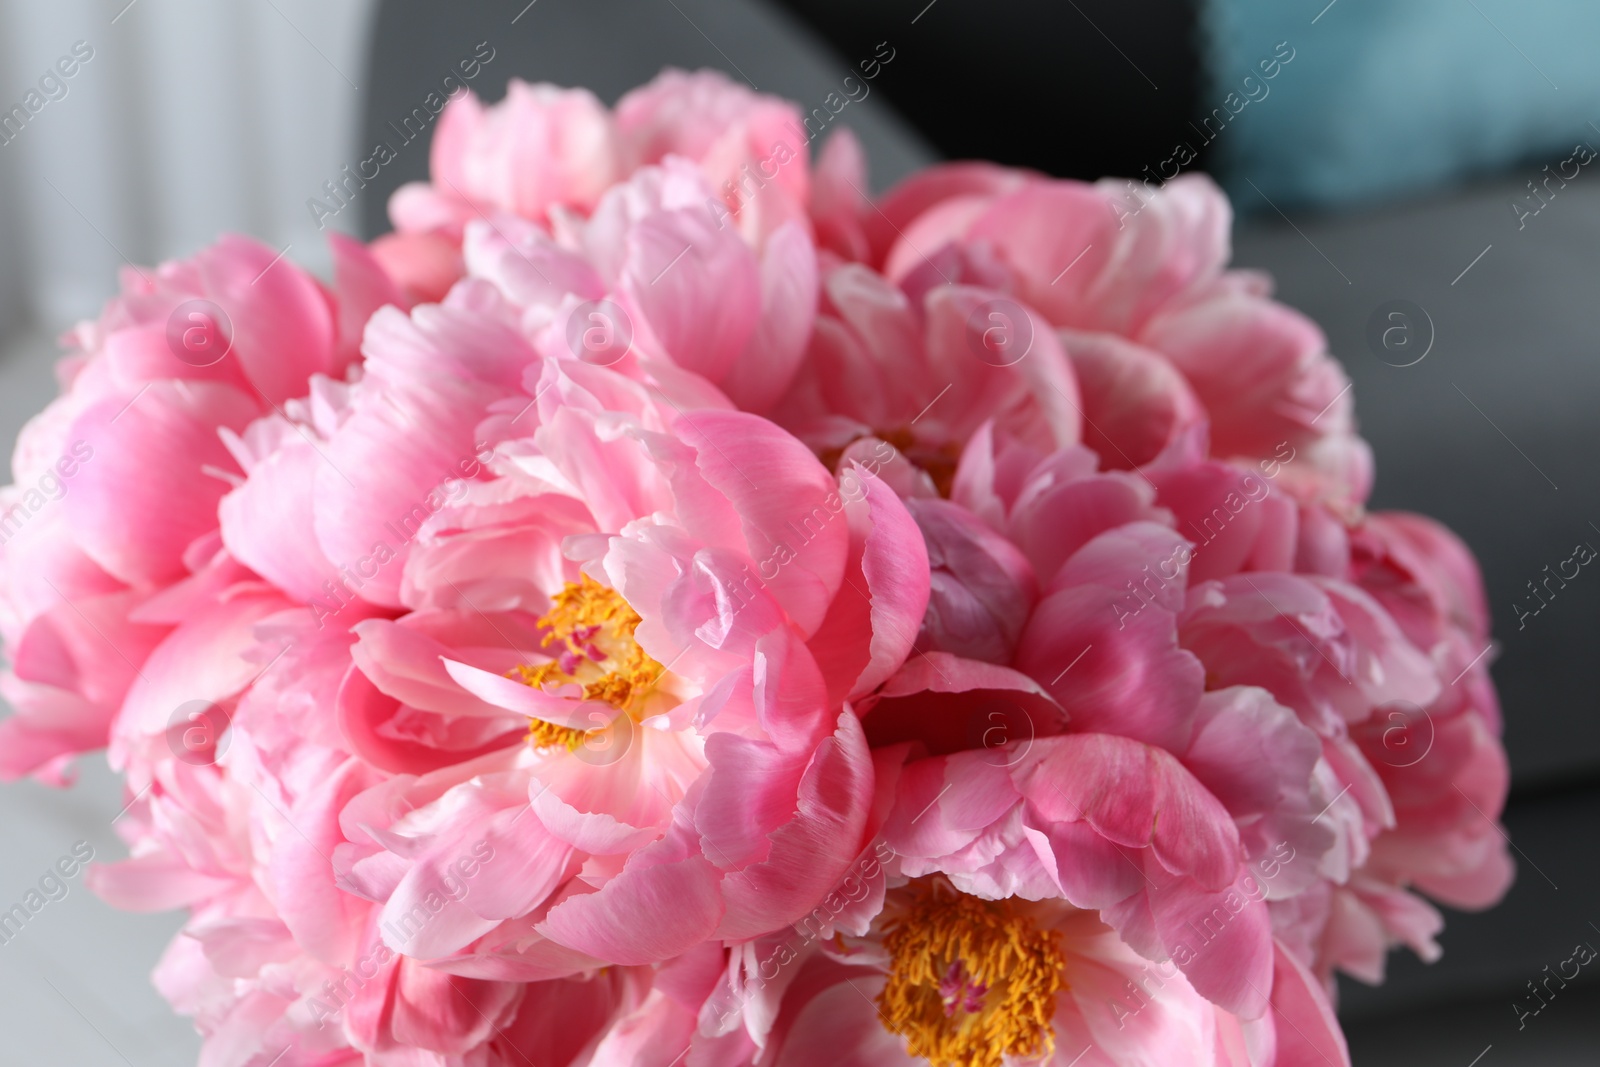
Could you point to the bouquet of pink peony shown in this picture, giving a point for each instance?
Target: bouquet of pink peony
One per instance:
(663, 606)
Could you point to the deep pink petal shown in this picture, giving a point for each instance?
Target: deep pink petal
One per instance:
(873, 622)
(283, 322)
(146, 494)
(1221, 939)
(1110, 656)
(1309, 1034)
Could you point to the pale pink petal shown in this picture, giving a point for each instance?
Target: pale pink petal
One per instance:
(812, 851)
(654, 909)
(267, 523)
(695, 287)
(789, 287)
(782, 497)
(1136, 795)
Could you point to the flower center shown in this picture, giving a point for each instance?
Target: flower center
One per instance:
(970, 980)
(938, 462)
(589, 627)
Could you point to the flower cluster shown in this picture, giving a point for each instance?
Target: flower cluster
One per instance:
(638, 615)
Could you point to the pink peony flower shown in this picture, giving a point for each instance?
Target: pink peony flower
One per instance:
(1142, 271)
(752, 147)
(659, 606)
(946, 978)
(94, 585)
(636, 621)
(545, 153)
(1109, 779)
(1102, 588)
(1408, 722)
(874, 382)
(689, 290)
(540, 149)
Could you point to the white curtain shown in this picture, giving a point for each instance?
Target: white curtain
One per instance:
(191, 117)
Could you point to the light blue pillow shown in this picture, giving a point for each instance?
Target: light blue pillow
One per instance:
(1390, 98)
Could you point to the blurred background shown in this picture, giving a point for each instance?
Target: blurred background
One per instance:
(1429, 159)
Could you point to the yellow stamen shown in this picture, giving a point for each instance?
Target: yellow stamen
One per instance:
(591, 627)
(970, 980)
(543, 734)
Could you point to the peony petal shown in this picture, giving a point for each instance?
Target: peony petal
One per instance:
(873, 622)
(1310, 1035)
(654, 909)
(789, 287)
(283, 321)
(812, 851)
(146, 493)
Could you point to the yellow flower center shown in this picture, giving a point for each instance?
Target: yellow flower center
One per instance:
(970, 980)
(589, 627)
